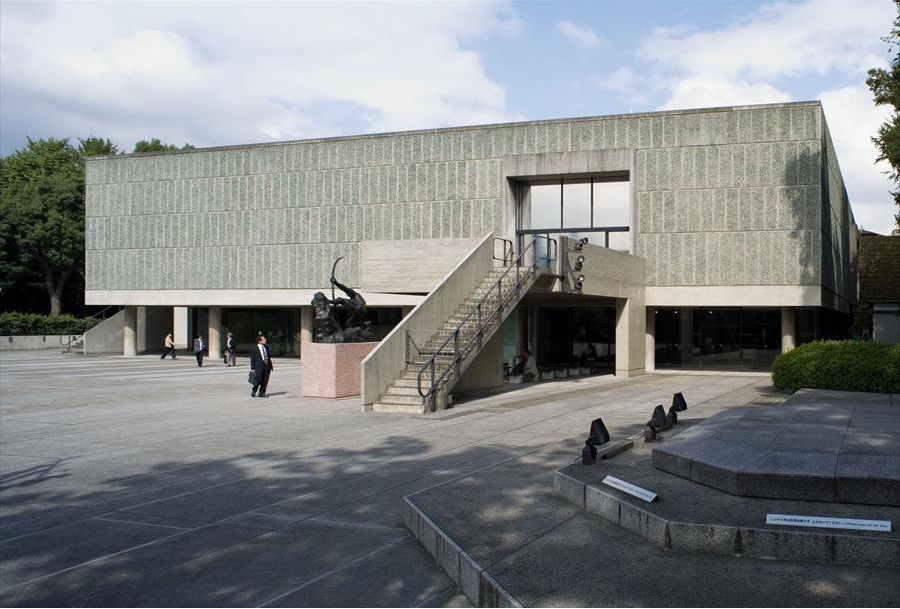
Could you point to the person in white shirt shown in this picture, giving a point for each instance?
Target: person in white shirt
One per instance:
(170, 347)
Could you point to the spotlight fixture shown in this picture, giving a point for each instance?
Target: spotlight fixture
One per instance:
(598, 435)
(658, 422)
(679, 404)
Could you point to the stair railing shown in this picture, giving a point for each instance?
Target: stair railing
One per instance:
(508, 251)
(484, 317)
(70, 339)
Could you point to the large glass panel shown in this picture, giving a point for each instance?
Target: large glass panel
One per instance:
(594, 326)
(545, 204)
(279, 325)
(576, 204)
(807, 324)
(760, 338)
(720, 336)
(612, 204)
(554, 337)
(669, 343)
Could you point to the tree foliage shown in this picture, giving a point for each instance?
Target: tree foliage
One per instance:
(155, 145)
(885, 86)
(95, 146)
(42, 216)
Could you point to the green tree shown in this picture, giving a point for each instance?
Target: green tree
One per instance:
(885, 85)
(155, 145)
(95, 146)
(42, 216)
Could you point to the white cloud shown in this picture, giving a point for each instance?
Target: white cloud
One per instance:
(769, 56)
(583, 37)
(231, 73)
(633, 88)
(710, 91)
(780, 40)
(852, 120)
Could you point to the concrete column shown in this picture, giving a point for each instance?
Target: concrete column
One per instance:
(215, 332)
(306, 328)
(650, 341)
(180, 327)
(788, 329)
(631, 321)
(129, 333)
(142, 329)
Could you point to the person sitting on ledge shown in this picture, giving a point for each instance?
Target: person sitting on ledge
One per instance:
(527, 365)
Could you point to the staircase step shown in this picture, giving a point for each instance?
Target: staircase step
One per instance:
(396, 390)
(391, 407)
(409, 382)
(409, 400)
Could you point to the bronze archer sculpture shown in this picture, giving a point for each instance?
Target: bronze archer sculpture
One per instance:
(326, 324)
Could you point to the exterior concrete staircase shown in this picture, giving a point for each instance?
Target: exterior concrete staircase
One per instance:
(434, 366)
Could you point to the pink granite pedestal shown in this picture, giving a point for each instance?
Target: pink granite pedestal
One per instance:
(332, 370)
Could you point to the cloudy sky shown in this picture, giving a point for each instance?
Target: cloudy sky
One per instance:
(220, 73)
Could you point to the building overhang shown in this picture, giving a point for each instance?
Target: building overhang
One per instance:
(744, 296)
(235, 298)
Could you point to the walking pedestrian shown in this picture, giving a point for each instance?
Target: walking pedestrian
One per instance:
(261, 365)
(230, 350)
(169, 347)
(199, 346)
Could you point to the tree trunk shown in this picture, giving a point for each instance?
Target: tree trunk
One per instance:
(54, 290)
(55, 304)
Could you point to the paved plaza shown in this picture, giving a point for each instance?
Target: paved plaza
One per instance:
(141, 482)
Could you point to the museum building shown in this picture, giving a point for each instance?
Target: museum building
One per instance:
(715, 238)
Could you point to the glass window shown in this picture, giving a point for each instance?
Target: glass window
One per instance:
(545, 204)
(619, 241)
(576, 204)
(612, 204)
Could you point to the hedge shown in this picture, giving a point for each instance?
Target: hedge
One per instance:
(31, 324)
(847, 365)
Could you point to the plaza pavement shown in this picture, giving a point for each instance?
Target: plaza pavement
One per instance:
(141, 482)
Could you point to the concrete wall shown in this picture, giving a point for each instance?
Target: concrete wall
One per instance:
(385, 363)
(410, 266)
(724, 197)
(34, 343)
(486, 371)
(108, 336)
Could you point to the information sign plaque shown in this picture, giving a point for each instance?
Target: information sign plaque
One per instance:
(631, 489)
(828, 522)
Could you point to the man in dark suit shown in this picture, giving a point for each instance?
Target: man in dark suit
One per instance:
(261, 364)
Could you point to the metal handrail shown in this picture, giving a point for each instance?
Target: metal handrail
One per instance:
(460, 351)
(508, 250)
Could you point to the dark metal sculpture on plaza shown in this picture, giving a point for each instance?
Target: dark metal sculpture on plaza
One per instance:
(327, 326)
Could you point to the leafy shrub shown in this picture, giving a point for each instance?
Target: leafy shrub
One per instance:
(841, 365)
(31, 324)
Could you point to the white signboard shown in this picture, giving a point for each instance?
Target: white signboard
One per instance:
(828, 522)
(627, 487)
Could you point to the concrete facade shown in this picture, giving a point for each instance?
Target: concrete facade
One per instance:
(730, 207)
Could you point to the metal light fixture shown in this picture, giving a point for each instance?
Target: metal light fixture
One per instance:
(679, 404)
(598, 435)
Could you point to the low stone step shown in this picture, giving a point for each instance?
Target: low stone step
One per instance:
(391, 407)
(409, 400)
